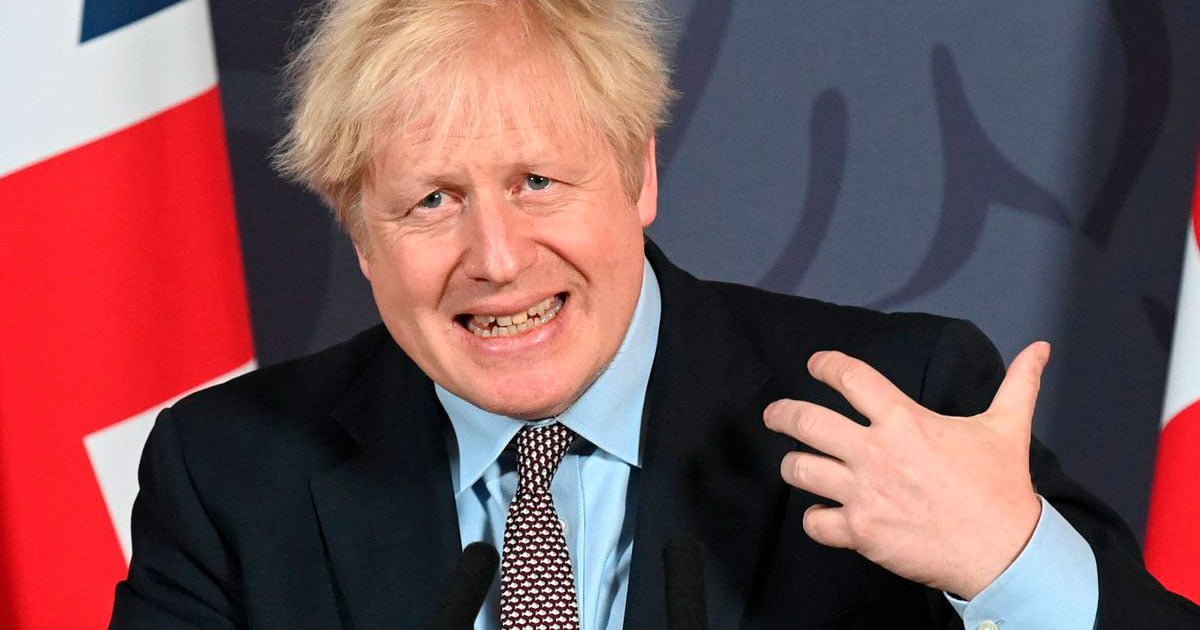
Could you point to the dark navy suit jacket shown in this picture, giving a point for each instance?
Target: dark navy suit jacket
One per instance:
(316, 493)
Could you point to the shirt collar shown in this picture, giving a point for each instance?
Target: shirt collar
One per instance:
(608, 414)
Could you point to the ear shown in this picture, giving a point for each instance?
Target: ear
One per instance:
(647, 202)
(364, 261)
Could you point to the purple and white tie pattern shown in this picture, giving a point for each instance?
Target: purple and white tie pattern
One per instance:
(537, 585)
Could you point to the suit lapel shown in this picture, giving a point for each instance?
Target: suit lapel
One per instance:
(709, 466)
(387, 514)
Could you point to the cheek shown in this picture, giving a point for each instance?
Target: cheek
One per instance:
(601, 233)
(407, 287)
(408, 305)
(609, 255)
(619, 247)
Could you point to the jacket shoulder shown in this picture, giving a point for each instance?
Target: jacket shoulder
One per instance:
(298, 384)
(777, 319)
(275, 406)
(947, 364)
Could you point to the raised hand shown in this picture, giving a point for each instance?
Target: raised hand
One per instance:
(944, 501)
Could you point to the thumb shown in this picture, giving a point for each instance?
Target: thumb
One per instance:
(1017, 396)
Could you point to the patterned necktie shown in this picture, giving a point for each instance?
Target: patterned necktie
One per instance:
(537, 586)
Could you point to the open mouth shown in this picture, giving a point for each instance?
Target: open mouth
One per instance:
(514, 323)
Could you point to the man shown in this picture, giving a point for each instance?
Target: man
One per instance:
(547, 381)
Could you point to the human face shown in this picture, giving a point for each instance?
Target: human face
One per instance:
(509, 218)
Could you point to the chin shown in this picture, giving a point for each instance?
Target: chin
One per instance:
(526, 402)
(532, 408)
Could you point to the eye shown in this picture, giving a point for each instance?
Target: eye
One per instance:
(537, 182)
(433, 199)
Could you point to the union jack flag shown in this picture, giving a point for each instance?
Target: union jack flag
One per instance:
(121, 282)
(1172, 533)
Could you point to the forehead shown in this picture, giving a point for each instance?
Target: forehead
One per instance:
(496, 108)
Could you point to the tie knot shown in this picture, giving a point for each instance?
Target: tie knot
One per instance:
(539, 452)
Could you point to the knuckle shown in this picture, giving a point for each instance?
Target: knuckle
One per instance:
(907, 472)
(860, 524)
(800, 468)
(852, 375)
(898, 412)
(777, 407)
(1025, 379)
(931, 433)
(804, 418)
(871, 450)
(818, 361)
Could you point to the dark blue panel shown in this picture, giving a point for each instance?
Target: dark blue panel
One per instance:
(105, 16)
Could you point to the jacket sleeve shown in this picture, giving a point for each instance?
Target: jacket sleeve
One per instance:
(961, 378)
(181, 574)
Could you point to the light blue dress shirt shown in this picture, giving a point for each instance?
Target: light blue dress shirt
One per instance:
(1053, 582)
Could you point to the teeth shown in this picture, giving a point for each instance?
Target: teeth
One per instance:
(517, 323)
(540, 307)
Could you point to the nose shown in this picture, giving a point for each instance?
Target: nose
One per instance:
(498, 240)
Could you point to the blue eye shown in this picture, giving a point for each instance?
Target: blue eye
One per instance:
(537, 182)
(433, 199)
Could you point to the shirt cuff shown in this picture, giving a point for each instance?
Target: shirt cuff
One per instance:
(1052, 583)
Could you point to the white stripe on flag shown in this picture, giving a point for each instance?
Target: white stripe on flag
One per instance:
(114, 453)
(1183, 376)
(58, 93)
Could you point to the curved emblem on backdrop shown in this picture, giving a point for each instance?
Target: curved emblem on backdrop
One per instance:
(695, 56)
(976, 173)
(1146, 44)
(828, 130)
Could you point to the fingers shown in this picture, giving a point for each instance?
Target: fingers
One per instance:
(823, 429)
(1017, 396)
(818, 474)
(828, 526)
(870, 392)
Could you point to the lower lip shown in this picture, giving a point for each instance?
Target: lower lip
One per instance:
(527, 340)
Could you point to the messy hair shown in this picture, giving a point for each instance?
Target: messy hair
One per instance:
(360, 74)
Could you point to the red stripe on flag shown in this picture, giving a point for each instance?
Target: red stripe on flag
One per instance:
(121, 273)
(1196, 208)
(1172, 537)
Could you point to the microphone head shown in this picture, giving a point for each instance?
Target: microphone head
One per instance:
(481, 559)
(468, 588)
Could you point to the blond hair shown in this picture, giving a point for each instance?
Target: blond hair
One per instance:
(359, 76)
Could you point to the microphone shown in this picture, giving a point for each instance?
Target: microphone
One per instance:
(684, 569)
(468, 587)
